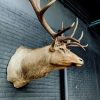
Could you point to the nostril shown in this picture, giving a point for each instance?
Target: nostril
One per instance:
(81, 60)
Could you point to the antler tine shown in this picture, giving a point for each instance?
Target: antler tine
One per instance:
(47, 6)
(85, 46)
(75, 27)
(81, 36)
(66, 38)
(64, 30)
(62, 27)
(37, 7)
(40, 12)
(75, 44)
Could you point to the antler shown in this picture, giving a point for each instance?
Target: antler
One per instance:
(75, 44)
(40, 12)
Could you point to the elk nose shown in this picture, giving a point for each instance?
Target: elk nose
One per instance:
(81, 61)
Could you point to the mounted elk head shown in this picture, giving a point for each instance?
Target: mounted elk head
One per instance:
(27, 64)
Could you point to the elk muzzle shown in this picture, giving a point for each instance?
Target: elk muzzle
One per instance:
(79, 62)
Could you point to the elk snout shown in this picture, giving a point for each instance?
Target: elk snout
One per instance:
(80, 62)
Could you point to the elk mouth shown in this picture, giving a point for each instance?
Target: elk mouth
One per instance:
(79, 65)
(76, 64)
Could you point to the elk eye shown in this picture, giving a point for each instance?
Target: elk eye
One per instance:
(62, 49)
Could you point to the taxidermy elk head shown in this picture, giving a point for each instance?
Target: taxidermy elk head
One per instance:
(27, 64)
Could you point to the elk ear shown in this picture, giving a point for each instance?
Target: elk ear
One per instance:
(52, 46)
(51, 49)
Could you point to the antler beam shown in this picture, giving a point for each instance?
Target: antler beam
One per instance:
(40, 12)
